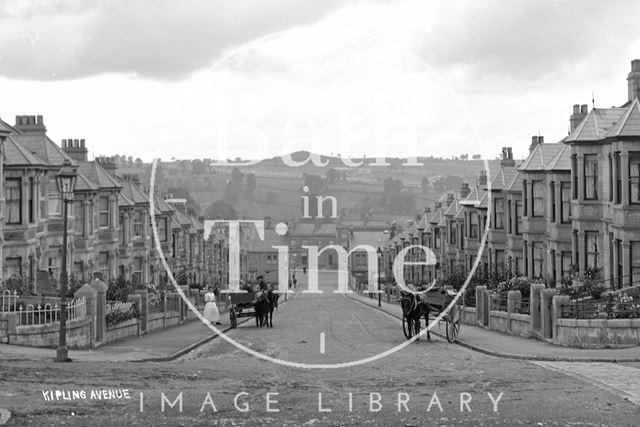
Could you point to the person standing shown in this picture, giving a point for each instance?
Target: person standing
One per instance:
(211, 312)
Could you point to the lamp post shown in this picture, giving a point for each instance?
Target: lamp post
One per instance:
(66, 181)
(379, 269)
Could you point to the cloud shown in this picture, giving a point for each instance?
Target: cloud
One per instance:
(159, 39)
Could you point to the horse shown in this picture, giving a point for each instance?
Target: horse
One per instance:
(264, 309)
(413, 309)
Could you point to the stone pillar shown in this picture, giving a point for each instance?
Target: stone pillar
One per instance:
(514, 302)
(90, 296)
(557, 303)
(101, 306)
(582, 261)
(580, 173)
(486, 311)
(135, 298)
(183, 308)
(164, 308)
(479, 303)
(626, 263)
(624, 160)
(546, 311)
(534, 306)
(144, 309)
(558, 191)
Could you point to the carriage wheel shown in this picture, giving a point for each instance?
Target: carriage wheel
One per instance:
(233, 318)
(407, 327)
(453, 324)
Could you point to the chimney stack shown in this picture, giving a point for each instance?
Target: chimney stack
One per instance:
(579, 113)
(507, 157)
(633, 80)
(75, 148)
(464, 190)
(482, 179)
(535, 140)
(30, 124)
(450, 198)
(108, 164)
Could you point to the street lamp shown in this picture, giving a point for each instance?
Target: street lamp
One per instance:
(66, 181)
(379, 263)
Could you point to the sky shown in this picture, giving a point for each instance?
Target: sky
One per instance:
(254, 78)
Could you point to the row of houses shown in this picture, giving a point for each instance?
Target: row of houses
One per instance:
(109, 224)
(571, 207)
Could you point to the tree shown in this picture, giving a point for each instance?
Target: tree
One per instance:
(237, 176)
(315, 183)
(231, 191)
(220, 210)
(476, 157)
(250, 183)
(425, 184)
(332, 176)
(183, 193)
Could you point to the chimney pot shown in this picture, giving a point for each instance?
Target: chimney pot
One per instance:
(584, 109)
(39, 120)
(576, 109)
(534, 140)
(635, 65)
(541, 140)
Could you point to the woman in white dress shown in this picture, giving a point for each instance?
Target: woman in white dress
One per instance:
(211, 312)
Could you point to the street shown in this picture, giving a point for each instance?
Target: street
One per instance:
(426, 383)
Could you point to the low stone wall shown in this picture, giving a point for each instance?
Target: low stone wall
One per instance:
(499, 321)
(78, 334)
(123, 330)
(161, 320)
(520, 325)
(597, 333)
(469, 316)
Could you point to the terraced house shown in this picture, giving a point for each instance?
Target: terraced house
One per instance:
(109, 229)
(569, 207)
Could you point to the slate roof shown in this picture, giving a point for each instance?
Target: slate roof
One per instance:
(629, 123)
(124, 201)
(43, 147)
(596, 125)
(95, 172)
(17, 155)
(516, 183)
(541, 156)
(503, 177)
(85, 184)
(422, 224)
(161, 206)
(133, 192)
(271, 238)
(561, 161)
(473, 198)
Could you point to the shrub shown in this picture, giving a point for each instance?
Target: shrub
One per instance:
(115, 317)
(119, 289)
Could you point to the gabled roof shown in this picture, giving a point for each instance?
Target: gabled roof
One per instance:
(133, 192)
(124, 201)
(473, 198)
(452, 209)
(174, 222)
(422, 224)
(561, 161)
(199, 226)
(516, 183)
(98, 175)
(503, 177)
(40, 145)
(540, 157)
(17, 155)
(484, 201)
(271, 238)
(436, 216)
(629, 124)
(597, 123)
(7, 128)
(85, 184)
(182, 218)
(160, 205)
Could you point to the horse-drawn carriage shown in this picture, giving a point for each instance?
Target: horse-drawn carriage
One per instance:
(241, 304)
(253, 304)
(415, 306)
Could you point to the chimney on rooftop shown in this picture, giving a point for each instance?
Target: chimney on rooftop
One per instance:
(535, 140)
(30, 124)
(633, 80)
(507, 157)
(75, 148)
(464, 190)
(579, 113)
(108, 164)
(482, 179)
(450, 198)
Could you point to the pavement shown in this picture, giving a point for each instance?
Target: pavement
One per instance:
(158, 346)
(497, 344)
(170, 343)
